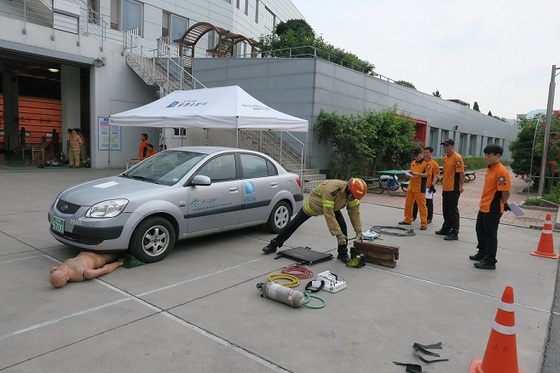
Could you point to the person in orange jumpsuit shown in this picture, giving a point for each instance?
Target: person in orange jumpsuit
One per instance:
(493, 203)
(452, 187)
(432, 169)
(150, 150)
(416, 191)
(142, 146)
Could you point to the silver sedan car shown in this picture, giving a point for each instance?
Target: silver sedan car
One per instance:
(176, 194)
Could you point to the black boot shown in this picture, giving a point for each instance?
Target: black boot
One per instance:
(443, 232)
(477, 257)
(343, 254)
(270, 248)
(485, 264)
(452, 236)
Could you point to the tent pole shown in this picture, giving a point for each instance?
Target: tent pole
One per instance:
(109, 152)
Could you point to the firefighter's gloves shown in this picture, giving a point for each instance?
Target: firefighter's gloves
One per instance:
(359, 236)
(342, 240)
(506, 207)
(432, 189)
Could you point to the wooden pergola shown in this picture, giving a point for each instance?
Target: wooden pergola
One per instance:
(226, 40)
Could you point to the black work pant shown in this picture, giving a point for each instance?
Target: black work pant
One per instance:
(301, 218)
(487, 234)
(450, 207)
(429, 205)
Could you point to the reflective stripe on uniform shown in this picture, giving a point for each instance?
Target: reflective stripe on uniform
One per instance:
(353, 203)
(328, 204)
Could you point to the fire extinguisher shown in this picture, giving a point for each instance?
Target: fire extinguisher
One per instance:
(281, 293)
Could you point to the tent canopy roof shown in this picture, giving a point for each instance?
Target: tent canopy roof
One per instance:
(221, 107)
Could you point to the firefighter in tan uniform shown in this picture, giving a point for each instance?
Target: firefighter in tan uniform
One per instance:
(493, 203)
(328, 199)
(416, 191)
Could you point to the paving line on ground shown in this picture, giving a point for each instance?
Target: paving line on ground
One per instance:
(129, 297)
(460, 289)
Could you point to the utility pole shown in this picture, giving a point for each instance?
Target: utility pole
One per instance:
(547, 126)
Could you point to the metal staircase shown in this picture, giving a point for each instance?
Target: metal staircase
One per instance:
(168, 71)
(273, 144)
(161, 68)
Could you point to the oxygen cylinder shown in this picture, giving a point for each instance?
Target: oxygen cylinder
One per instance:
(281, 293)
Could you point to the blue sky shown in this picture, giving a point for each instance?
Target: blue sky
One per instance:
(498, 53)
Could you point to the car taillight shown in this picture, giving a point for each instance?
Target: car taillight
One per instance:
(298, 181)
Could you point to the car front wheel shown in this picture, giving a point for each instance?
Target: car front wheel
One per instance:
(152, 240)
(279, 217)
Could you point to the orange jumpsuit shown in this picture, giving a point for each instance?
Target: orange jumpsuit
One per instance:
(142, 148)
(416, 192)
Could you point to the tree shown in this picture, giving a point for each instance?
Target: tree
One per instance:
(523, 150)
(475, 107)
(436, 94)
(299, 26)
(490, 114)
(405, 83)
(295, 38)
(362, 143)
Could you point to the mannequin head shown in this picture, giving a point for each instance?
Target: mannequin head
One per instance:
(59, 277)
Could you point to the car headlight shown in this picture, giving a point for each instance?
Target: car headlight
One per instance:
(107, 209)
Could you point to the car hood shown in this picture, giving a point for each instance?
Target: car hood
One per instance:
(108, 188)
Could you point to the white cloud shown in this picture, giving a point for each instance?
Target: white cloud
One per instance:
(498, 53)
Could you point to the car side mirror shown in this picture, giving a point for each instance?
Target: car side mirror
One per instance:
(201, 180)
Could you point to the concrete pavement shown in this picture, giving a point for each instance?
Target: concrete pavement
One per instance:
(199, 309)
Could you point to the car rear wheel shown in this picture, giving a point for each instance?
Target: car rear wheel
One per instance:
(279, 217)
(152, 240)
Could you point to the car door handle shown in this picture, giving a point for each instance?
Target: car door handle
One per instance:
(233, 190)
(274, 184)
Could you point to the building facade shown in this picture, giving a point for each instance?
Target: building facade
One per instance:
(76, 59)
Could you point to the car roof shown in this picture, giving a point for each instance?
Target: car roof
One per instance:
(212, 149)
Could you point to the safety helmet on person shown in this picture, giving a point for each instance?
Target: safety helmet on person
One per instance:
(357, 187)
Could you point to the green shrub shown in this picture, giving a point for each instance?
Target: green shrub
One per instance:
(554, 195)
(532, 202)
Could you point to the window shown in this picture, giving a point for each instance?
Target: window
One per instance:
(221, 168)
(472, 148)
(463, 137)
(165, 21)
(433, 137)
(212, 39)
(269, 21)
(255, 166)
(243, 5)
(178, 27)
(257, 2)
(132, 15)
(240, 49)
(179, 132)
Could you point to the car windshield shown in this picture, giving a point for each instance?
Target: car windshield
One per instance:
(165, 168)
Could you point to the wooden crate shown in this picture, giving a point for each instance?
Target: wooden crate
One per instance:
(376, 253)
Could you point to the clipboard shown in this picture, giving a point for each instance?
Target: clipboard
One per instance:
(517, 211)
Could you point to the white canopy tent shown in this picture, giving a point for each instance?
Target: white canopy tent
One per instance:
(223, 107)
(214, 108)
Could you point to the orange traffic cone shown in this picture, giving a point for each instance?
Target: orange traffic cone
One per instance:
(501, 351)
(546, 247)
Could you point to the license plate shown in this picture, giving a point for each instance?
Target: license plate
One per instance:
(57, 224)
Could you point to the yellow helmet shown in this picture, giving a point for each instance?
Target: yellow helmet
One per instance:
(357, 187)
